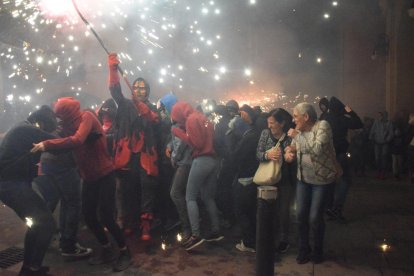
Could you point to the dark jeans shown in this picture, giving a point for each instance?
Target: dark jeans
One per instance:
(65, 187)
(285, 195)
(177, 193)
(202, 181)
(246, 201)
(149, 188)
(20, 197)
(224, 197)
(98, 197)
(128, 197)
(382, 152)
(339, 190)
(311, 201)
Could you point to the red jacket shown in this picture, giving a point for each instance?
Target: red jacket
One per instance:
(86, 138)
(199, 131)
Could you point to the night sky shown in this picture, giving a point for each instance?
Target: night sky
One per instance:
(197, 49)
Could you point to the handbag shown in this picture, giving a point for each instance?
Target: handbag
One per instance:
(270, 172)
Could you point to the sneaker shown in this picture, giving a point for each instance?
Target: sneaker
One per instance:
(78, 252)
(123, 262)
(283, 247)
(241, 247)
(193, 242)
(214, 237)
(43, 271)
(105, 255)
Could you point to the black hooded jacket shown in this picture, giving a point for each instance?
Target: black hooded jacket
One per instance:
(16, 161)
(340, 121)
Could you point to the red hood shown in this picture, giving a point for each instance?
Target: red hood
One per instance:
(68, 110)
(180, 112)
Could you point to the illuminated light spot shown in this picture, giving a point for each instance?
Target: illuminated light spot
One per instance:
(335, 3)
(29, 221)
(326, 15)
(319, 60)
(247, 72)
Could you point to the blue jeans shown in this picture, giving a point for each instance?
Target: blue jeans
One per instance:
(311, 200)
(177, 193)
(382, 152)
(20, 197)
(65, 187)
(202, 181)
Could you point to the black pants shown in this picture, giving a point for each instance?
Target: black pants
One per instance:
(129, 198)
(246, 205)
(20, 197)
(99, 197)
(66, 188)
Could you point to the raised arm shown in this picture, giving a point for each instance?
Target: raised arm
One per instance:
(113, 79)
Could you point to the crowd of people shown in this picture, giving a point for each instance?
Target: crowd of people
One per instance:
(132, 167)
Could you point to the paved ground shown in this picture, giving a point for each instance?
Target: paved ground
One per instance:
(377, 211)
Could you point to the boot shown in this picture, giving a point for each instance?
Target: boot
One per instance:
(146, 219)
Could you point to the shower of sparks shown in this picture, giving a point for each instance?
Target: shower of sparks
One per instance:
(56, 38)
(171, 40)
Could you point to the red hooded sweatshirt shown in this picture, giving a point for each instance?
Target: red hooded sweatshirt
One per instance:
(86, 138)
(199, 130)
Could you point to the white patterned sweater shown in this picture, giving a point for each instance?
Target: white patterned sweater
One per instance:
(316, 155)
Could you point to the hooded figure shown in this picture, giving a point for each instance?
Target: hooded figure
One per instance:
(232, 107)
(167, 103)
(248, 114)
(87, 140)
(17, 170)
(199, 134)
(324, 107)
(84, 136)
(199, 130)
(136, 147)
(107, 114)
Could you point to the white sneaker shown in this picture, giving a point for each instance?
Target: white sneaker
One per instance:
(241, 247)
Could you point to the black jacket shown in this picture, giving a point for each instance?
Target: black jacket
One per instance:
(16, 161)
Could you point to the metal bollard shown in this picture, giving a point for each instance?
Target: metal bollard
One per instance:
(265, 249)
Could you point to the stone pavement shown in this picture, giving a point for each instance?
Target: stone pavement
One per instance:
(378, 212)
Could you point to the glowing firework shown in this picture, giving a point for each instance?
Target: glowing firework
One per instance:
(179, 237)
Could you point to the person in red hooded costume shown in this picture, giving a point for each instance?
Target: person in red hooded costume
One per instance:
(135, 153)
(85, 136)
(195, 129)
